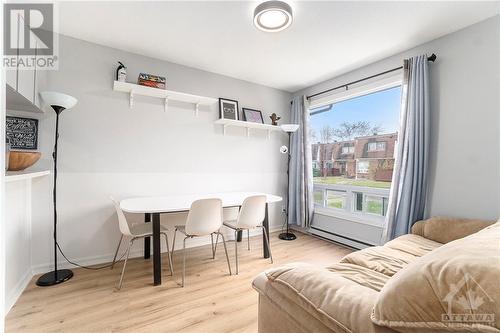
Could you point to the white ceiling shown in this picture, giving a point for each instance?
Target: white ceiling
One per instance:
(326, 38)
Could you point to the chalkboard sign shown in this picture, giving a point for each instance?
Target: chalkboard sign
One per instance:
(22, 133)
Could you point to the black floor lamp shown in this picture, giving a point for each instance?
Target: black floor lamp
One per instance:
(59, 102)
(289, 128)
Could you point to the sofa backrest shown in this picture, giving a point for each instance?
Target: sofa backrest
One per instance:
(446, 229)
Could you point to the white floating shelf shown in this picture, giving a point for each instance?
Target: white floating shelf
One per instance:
(248, 125)
(168, 95)
(11, 176)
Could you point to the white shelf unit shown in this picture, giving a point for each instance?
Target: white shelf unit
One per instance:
(248, 125)
(11, 176)
(135, 89)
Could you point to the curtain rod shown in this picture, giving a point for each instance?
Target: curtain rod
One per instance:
(431, 58)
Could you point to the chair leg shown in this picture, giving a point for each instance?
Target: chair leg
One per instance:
(184, 260)
(216, 242)
(248, 239)
(236, 249)
(116, 252)
(169, 255)
(213, 250)
(225, 249)
(267, 242)
(125, 264)
(173, 242)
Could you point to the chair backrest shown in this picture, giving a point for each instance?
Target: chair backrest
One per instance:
(122, 221)
(204, 217)
(252, 212)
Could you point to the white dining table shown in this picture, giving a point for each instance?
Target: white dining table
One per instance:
(153, 206)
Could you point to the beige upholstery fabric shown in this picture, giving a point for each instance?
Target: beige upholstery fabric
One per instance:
(337, 303)
(405, 278)
(413, 244)
(447, 229)
(460, 277)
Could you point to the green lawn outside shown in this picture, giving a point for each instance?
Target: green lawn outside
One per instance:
(338, 180)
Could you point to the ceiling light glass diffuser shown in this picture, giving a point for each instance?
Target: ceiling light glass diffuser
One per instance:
(273, 16)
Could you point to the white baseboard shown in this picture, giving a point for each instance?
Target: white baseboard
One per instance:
(13, 294)
(107, 258)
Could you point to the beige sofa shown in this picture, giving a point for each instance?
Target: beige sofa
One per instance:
(428, 281)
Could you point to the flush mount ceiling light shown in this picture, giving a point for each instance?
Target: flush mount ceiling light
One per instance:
(272, 16)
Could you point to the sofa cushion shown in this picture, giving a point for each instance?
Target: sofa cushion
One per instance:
(413, 244)
(381, 259)
(453, 288)
(339, 303)
(361, 275)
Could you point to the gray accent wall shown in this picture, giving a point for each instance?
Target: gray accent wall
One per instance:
(106, 148)
(465, 124)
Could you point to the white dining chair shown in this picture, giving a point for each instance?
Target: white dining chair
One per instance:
(204, 219)
(250, 216)
(135, 232)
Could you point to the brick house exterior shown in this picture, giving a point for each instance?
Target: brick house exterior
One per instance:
(366, 157)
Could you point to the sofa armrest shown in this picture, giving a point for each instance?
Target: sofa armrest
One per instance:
(447, 229)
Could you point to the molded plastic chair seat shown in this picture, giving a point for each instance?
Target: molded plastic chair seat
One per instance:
(250, 216)
(204, 219)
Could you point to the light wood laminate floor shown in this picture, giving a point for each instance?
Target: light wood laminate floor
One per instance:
(211, 301)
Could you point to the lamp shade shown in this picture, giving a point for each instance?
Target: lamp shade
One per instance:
(58, 100)
(289, 128)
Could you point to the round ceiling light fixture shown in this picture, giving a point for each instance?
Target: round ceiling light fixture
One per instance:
(272, 16)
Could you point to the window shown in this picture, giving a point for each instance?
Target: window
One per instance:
(371, 204)
(362, 166)
(376, 146)
(336, 199)
(348, 150)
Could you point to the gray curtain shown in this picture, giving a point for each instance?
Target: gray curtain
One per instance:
(409, 183)
(300, 191)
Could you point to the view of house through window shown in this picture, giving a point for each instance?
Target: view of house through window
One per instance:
(353, 152)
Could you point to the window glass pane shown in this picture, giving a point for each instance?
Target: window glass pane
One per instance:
(335, 199)
(358, 197)
(374, 204)
(363, 166)
(318, 197)
(353, 130)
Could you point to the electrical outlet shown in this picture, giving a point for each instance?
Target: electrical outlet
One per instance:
(283, 209)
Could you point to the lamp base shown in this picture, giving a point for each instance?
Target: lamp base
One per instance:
(287, 236)
(49, 279)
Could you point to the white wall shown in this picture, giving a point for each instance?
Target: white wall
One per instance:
(465, 107)
(108, 149)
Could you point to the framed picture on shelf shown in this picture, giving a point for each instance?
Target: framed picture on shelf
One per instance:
(228, 109)
(253, 116)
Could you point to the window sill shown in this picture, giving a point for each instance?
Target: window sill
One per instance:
(367, 219)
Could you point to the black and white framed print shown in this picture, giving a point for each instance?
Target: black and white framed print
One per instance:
(228, 109)
(253, 116)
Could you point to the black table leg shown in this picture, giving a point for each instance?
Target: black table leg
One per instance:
(265, 223)
(147, 240)
(239, 234)
(156, 249)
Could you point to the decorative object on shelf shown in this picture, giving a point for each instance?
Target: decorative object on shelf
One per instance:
(20, 160)
(228, 109)
(288, 128)
(274, 118)
(153, 81)
(7, 153)
(253, 116)
(22, 132)
(272, 16)
(59, 102)
(121, 72)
